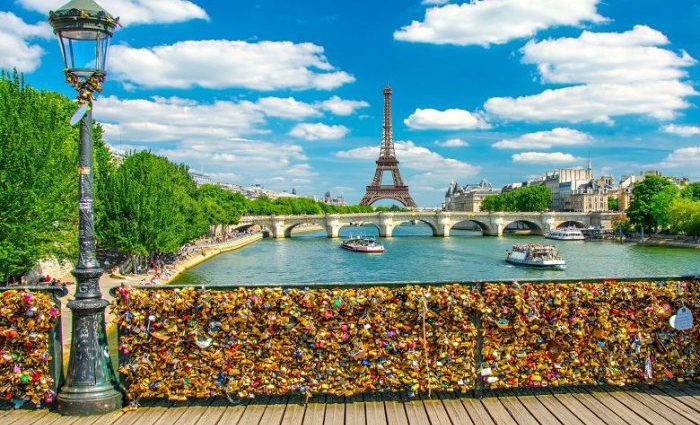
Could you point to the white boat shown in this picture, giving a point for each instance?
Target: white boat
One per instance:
(535, 255)
(568, 234)
(359, 244)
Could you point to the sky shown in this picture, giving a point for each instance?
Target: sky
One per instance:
(288, 94)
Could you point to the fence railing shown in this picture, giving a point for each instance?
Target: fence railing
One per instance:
(179, 341)
(31, 361)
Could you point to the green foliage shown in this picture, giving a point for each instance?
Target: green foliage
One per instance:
(524, 199)
(691, 191)
(613, 204)
(660, 204)
(300, 206)
(38, 175)
(684, 216)
(393, 208)
(644, 210)
(150, 205)
(220, 206)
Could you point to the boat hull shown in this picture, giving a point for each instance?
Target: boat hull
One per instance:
(364, 249)
(538, 265)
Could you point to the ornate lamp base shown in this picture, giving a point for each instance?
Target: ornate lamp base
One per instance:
(91, 387)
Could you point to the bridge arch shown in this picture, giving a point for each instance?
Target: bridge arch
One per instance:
(397, 199)
(485, 227)
(290, 229)
(535, 227)
(359, 225)
(432, 226)
(571, 223)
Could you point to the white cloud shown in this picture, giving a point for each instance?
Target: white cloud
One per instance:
(289, 108)
(496, 21)
(184, 131)
(318, 131)
(617, 74)
(170, 119)
(682, 130)
(452, 143)
(546, 139)
(683, 158)
(15, 48)
(544, 158)
(435, 2)
(134, 11)
(340, 106)
(449, 119)
(432, 167)
(219, 64)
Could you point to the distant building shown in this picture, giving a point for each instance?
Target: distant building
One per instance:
(624, 195)
(563, 183)
(200, 178)
(592, 196)
(330, 200)
(468, 198)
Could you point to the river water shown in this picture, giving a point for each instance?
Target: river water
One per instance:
(414, 255)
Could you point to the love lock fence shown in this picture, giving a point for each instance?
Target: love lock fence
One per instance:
(177, 342)
(31, 350)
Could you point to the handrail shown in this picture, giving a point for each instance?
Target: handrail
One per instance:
(404, 283)
(55, 334)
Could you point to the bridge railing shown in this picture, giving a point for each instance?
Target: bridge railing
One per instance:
(182, 341)
(31, 349)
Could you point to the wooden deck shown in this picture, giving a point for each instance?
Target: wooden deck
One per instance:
(662, 405)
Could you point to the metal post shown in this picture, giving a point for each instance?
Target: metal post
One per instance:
(91, 387)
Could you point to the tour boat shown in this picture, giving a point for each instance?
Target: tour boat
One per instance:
(535, 255)
(360, 244)
(568, 234)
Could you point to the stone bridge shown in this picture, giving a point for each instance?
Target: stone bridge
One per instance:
(441, 222)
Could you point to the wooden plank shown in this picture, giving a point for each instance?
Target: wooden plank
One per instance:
(57, 419)
(682, 397)
(130, 417)
(516, 409)
(194, 412)
(374, 410)
(395, 412)
(668, 413)
(335, 410)
(415, 410)
(627, 414)
(477, 411)
(600, 410)
(150, 414)
(233, 412)
(575, 406)
(213, 412)
(275, 410)
(497, 411)
(435, 410)
(294, 413)
(553, 407)
(355, 410)
(675, 405)
(315, 410)
(535, 408)
(455, 409)
(649, 414)
(29, 417)
(99, 419)
(254, 411)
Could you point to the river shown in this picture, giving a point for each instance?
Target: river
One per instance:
(414, 255)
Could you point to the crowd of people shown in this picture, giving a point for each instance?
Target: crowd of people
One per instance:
(161, 268)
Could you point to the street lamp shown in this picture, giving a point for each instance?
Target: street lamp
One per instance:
(84, 30)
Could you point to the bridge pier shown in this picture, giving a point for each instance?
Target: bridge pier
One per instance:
(278, 230)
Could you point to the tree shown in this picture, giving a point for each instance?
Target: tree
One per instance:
(660, 204)
(150, 206)
(642, 211)
(38, 178)
(684, 216)
(525, 199)
(613, 204)
(692, 191)
(220, 206)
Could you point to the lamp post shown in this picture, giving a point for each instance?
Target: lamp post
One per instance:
(84, 30)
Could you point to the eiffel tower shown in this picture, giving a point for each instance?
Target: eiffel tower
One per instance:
(387, 162)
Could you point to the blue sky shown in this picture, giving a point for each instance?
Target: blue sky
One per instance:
(289, 94)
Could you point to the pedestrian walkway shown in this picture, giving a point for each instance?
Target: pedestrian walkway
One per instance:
(667, 404)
